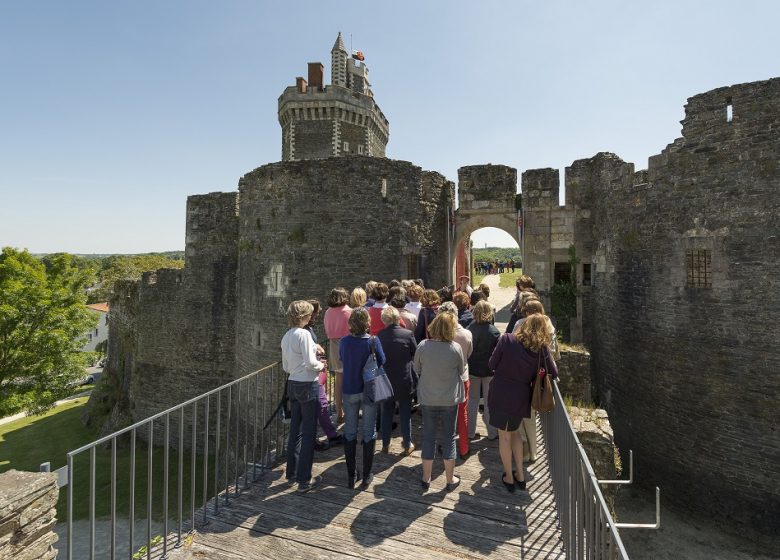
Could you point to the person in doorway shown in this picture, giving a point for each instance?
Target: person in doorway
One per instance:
(463, 285)
(515, 361)
(299, 360)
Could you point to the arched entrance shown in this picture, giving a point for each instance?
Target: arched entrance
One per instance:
(487, 196)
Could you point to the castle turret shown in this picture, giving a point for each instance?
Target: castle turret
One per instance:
(338, 63)
(340, 119)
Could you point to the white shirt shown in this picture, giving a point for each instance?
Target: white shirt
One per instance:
(464, 339)
(414, 307)
(299, 355)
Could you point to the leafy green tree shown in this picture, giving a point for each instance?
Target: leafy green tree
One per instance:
(128, 267)
(43, 325)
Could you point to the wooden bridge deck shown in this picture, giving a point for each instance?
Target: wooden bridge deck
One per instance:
(393, 518)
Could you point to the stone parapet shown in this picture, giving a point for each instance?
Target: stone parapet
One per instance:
(27, 515)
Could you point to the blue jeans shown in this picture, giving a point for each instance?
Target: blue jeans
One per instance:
(304, 406)
(352, 404)
(405, 414)
(439, 423)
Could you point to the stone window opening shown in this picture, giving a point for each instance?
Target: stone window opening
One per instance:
(383, 190)
(345, 147)
(360, 150)
(729, 110)
(698, 265)
(586, 274)
(562, 273)
(413, 266)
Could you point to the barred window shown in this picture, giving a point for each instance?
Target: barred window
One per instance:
(698, 263)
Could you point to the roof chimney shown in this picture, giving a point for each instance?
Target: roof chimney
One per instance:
(316, 72)
(300, 84)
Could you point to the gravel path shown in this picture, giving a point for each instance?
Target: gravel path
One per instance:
(501, 298)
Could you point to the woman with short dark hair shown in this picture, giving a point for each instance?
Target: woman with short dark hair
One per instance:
(484, 339)
(336, 322)
(430, 303)
(354, 351)
(379, 295)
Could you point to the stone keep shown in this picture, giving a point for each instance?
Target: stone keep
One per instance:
(678, 274)
(339, 119)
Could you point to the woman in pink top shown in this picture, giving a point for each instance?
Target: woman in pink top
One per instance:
(336, 323)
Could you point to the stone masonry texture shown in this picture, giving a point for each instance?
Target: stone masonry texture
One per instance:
(27, 515)
(684, 356)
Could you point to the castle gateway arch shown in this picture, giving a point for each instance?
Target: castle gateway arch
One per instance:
(487, 196)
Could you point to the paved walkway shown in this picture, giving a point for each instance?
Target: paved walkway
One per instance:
(501, 298)
(394, 518)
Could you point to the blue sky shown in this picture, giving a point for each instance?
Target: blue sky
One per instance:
(112, 113)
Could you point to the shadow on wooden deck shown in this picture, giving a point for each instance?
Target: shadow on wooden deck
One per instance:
(392, 518)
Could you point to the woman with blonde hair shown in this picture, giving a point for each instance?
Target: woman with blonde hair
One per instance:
(357, 298)
(515, 361)
(439, 363)
(300, 361)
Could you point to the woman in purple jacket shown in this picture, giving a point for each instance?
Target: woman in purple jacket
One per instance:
(515, 361)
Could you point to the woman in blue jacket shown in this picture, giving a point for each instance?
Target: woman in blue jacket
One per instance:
(354, 351)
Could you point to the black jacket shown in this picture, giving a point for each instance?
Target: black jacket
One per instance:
(399, 347)
(484, 338)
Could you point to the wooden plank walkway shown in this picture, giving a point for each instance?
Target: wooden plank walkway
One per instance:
(393, 518)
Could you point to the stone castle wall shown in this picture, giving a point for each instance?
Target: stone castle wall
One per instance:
(307, 227)
(687, 374)
(172, 332)
(690, 375)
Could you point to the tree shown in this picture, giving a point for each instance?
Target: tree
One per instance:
(44, 322)
(128, 267)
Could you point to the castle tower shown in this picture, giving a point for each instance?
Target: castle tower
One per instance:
(340, 119)
(338, 63)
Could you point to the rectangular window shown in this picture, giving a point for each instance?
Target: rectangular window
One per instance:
(698, 265)
(586, 274)
(345, 147)
(729, 110)
(562, 273)
(413, 266)
(360, 149)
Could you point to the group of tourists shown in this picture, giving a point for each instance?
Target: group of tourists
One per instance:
(494, 267)
(441, 354)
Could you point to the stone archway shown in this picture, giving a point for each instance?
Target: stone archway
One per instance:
(487, 196)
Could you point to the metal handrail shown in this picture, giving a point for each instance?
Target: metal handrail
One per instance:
(229, 437)
(587, 527)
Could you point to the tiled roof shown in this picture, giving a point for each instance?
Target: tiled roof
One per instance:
(102, 306)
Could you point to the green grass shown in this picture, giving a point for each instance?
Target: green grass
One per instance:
(30, 441)
(506, 280)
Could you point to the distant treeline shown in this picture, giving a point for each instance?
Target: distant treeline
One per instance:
(497, 254)
(103, 270)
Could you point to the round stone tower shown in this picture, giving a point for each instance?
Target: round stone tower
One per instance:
(339, 119)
